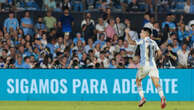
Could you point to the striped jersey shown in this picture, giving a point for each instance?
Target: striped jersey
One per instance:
(148, 48)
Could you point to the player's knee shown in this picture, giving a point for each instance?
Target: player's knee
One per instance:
(138, 82)
(157, 85)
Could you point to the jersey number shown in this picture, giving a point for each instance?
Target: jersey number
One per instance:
(151, 52)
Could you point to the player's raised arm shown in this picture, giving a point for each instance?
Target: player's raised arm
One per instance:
(132, 42)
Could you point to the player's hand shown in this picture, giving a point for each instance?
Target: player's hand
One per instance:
(127, 30)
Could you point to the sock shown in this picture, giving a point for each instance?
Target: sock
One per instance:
(160, 92)
(141, 94)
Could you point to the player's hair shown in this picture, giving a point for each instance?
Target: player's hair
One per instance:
(148, 30)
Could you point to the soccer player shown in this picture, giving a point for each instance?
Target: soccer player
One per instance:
(148, 48)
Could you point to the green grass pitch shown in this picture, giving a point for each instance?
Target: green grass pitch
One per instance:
(46, 105)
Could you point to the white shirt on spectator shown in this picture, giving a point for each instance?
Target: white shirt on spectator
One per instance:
(131, 48)
(105, 62)
(182, 57)
(100, 27)
(84, 22)
(119, 28)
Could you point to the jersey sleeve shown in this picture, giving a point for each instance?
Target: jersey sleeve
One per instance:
(139, 41)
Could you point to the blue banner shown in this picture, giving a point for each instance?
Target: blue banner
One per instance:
(92, 85)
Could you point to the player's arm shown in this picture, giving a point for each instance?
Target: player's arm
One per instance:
(132, 42)
(158, 51)
(159, 54)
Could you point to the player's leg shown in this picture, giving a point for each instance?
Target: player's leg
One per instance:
(160, 91)
(141, 93)
(157, 85)
(155, 79)
(139, 87)
(140, 75)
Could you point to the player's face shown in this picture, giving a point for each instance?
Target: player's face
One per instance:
(143, 34)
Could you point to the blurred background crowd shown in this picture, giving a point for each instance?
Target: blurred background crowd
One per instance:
(151, 6)
(51, 42)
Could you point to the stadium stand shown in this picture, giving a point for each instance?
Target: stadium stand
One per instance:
(65, 40)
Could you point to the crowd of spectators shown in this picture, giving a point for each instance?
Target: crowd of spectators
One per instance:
(49, 42)
(151, 6)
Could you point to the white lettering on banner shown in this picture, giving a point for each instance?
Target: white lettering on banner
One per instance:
(85, 87)
(116, 87)
(54, 86)
(23, 85)
(125, 86)
(103, 87)
(150, 88)
(33, 87)
(17, 86)
(76, 84)
(93, 86)
(174, 85)
(166, 85)
(134, 87)
(63, 89)
(89, 86)
(10, 82)
(44, 86)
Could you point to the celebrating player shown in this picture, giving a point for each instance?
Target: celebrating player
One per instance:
(148, 48)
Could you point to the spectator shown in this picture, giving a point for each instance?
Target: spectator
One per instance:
(169, 22)
(89, 46)
(20, 63)
(88, 27)
(146, 19)
(191, 59)
(50, 21)
(101, 41)
(171, 59)
(103, 60)
(110, 31)
(47, 62)
(78, 37)
(124, 4)
(187, 6)
(131, 63)
(66, 4)
(31, 5)
(176, 46)
(52, 4)
(78, 5)
(66, 22)
(60, 46)
(87, 20)
(40, 25)
(163, 5)
(2, 2)
(157, 34)
(183, 56)
(100, 27)
(107, 14)
(27, 24)
(113, 64)
(182, 33)
(130, 49)
(134, 6)
(11, 23)
(191, 33)
(119, 27)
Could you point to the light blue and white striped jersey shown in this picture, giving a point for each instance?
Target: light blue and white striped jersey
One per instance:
(148, 47)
